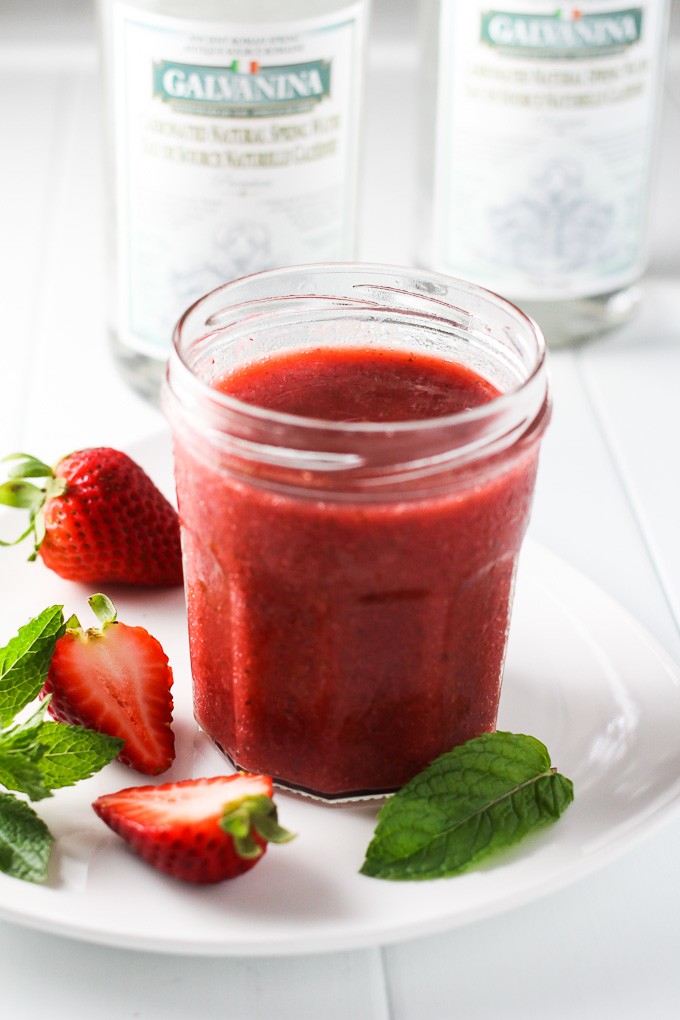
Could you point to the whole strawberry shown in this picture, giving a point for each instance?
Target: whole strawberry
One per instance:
(197, 830)
(98, 518)
(115, 679)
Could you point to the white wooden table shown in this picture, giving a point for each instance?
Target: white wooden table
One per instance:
(608, 501)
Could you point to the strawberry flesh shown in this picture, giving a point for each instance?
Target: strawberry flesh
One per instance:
(116, 680)
(176, 827)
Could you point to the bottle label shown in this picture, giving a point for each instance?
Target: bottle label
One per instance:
(546, 123)
(235, 151)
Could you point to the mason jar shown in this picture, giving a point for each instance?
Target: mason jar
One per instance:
(355, 449)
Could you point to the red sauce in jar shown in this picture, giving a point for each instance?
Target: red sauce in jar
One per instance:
(341, 645)
(357, 385)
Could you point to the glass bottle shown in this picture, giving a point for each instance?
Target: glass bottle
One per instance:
(537, 161)
(232, 136)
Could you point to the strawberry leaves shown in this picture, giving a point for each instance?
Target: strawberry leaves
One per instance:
(24, 495)
(37, 755)
(480, 798)
(256, 813)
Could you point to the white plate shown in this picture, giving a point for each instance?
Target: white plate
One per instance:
(581, 675)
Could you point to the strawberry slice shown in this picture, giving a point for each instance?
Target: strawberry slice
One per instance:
(197, 830)
(115, 679)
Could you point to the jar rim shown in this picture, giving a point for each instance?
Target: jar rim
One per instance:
(190, 388)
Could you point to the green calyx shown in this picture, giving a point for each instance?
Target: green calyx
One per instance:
(103, 608)
(253, 814)
(22, 494)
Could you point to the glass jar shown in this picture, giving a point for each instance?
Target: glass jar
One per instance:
(349, 584)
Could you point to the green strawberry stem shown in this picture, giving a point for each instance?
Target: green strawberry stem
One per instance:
(257, 813)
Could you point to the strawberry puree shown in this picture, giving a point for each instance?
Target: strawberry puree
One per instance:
(340, 645)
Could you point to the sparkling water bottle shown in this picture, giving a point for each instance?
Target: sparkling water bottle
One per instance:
(232, 135)
(538, 149)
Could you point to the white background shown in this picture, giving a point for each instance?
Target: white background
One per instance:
(608, 501)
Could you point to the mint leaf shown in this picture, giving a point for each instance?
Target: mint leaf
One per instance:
(479, 798)
(71, 753)
(38, 755)
(20, 771)
(24, 662)
(25, 840)
(20, 753)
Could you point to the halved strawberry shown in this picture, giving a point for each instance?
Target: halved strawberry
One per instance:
(115, 679)
(197, 830)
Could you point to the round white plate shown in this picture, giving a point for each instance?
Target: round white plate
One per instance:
(581, 675)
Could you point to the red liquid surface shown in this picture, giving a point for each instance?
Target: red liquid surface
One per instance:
(340, 646)
(357, 385)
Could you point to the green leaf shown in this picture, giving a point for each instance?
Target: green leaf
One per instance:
(476, 800)
(19, 771)
(268, 827)
(24, 662)
(26, 466)
(22, 536)
(21, 495)
(71, 753)
(103, 608)
(20, 754)
(39, 755)
(25, 840)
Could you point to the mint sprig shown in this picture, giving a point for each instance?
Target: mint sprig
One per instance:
(37, 755)
(25, 661)
(478, 799)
